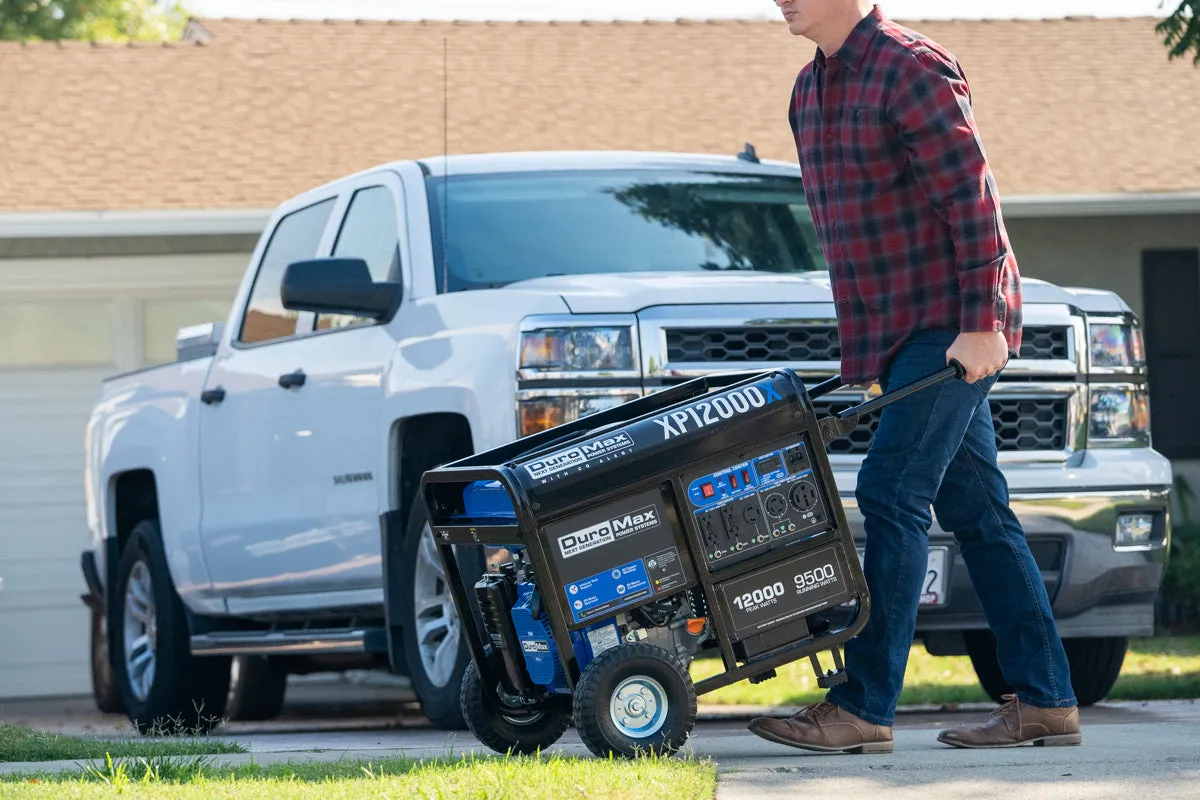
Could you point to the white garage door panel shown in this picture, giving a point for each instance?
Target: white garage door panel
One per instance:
(43, 529)
(45, 651)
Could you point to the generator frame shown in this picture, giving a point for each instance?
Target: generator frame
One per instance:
(538, 504)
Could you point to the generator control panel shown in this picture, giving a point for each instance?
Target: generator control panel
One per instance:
(757, 505)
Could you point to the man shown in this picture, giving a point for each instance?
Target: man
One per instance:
(922, 272)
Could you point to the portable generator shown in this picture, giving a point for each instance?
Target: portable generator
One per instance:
(702, 517)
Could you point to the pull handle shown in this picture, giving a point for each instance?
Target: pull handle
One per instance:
(210, 397)
(842, 423)
(293, 379)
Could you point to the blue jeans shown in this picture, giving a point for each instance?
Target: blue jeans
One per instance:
(936, 448)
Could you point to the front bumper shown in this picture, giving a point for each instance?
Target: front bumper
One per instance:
(1094, 588)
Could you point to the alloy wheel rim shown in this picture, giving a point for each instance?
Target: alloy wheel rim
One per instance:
(438, 629)
(141, 631)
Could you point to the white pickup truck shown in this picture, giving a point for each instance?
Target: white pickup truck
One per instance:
(252, 504)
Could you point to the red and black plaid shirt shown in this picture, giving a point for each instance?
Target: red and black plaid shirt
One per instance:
(902, 196)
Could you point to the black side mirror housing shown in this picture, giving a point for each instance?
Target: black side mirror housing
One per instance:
(338, 286)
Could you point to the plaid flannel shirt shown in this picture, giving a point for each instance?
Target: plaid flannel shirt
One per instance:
(902, 196)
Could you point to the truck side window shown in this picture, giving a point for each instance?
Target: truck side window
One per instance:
(368, 232)
(296, 238)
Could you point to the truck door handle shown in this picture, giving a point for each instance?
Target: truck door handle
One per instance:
(291, 379)
(212, 396)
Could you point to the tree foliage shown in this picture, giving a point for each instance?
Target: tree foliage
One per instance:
(91, 20)
(1181, 30)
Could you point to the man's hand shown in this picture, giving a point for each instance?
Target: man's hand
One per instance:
(982, 354)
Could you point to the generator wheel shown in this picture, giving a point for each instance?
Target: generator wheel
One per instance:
(507, 730)
(635, 700)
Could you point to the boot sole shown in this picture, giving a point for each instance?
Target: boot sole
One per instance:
(867, 748)
(1060, 740)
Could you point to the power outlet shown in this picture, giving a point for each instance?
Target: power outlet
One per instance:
(803, 496)
(712, 529)
(734, 523)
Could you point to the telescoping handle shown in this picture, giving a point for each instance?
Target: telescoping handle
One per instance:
(842, 423)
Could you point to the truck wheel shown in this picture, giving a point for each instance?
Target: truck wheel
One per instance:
(519, 731)
(164, 688)
(1095, 665)
(634, 700)
(104, 688)
(434, 649)
(257, 687)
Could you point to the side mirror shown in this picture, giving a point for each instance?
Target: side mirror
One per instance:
(338, 286)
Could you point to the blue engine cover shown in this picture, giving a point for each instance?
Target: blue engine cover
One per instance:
(540, 649)
(488, 500)
(537, 642)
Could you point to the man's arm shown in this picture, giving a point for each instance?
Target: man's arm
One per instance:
(931, 107)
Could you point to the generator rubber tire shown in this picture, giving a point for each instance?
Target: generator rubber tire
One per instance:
(635, 700)
(508, 734)
(177, 693)
(435, 663)
(1095, 665)
(104, 688)
(257, 689)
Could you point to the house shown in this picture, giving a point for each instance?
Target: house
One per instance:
(134, 181)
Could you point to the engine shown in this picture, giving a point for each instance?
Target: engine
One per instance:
(520, 635)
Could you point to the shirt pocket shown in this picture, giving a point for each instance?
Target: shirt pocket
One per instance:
(867, 143)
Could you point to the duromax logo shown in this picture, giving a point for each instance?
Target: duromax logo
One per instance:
(578, 455)
(609, 531)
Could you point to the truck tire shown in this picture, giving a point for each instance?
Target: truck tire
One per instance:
(1095, 665)
(104, 687)
(434, 649)
(257, 688)
(164, 688)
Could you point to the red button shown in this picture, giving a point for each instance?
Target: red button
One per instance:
(707, 490)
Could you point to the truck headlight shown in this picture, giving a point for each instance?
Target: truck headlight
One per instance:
(572, 349)
(1119, 415)
(1116, 344)
(539, 411)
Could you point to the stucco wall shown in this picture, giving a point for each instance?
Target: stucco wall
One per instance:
(1099, 252)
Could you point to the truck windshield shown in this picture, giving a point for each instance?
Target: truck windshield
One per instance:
(508, 227)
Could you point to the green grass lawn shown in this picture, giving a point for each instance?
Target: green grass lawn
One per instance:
(480, 778)
(1154, 669)
(23, 744)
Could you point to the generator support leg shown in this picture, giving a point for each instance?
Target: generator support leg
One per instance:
(833, 677)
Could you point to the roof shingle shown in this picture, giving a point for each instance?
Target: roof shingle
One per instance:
(260, 110)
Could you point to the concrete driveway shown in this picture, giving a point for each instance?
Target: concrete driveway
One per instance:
(1131, 751)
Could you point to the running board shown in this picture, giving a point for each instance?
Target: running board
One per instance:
(281, 642)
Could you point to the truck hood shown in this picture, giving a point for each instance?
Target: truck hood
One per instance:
(630, 292)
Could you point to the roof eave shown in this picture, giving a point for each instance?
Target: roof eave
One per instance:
(103, 224)
(1101, 205)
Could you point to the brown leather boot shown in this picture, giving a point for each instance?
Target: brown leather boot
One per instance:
(1016, 723)
(826, 728)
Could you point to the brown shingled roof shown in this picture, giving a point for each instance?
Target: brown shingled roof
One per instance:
(263, 109)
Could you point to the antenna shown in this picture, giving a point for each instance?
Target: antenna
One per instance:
(445, 164)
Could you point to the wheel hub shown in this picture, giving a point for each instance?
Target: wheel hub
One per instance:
(141, 631)
(639, 707)
(438, 628)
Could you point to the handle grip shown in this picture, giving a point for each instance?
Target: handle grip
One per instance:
(840, 424)
(292, 379)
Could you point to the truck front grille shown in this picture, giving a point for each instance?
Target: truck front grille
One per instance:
(780, 343)
(1021, 424)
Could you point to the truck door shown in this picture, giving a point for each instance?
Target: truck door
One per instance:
(253, 538)
(338, 464)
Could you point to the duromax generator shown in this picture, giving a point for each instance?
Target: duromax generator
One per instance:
(701, 517)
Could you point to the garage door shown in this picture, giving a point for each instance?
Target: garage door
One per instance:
(53, 355)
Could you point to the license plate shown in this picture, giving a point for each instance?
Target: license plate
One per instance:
(933, 588)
